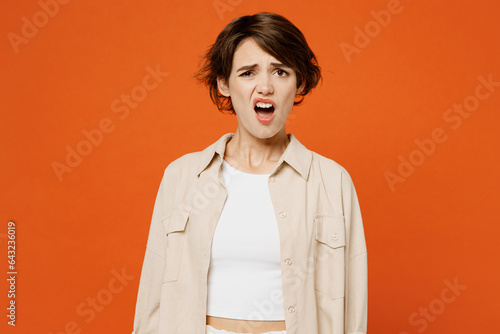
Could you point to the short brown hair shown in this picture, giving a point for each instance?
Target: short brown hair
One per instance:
(275, 35)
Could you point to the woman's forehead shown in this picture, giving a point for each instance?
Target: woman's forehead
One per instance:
(249, 50)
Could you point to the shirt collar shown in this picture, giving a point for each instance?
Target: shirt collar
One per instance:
(295, 154)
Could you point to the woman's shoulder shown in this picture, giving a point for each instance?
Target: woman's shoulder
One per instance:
(332, 172)
(328, 164)
(194, 161)
(185, 163)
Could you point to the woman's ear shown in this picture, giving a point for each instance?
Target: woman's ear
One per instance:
(222, 86)
(301, 88)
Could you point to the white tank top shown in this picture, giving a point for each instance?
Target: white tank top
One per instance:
(244, 278)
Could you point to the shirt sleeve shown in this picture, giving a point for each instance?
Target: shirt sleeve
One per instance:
(148, 298)
(356, 273)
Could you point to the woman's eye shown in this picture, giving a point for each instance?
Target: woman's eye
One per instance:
(282, 73)
(245, 74)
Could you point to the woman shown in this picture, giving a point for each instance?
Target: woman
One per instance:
(256, 233)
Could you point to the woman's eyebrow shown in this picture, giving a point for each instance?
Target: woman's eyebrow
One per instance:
(280, 65)
(249, 67)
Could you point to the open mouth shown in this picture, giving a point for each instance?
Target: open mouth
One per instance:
(264, 109)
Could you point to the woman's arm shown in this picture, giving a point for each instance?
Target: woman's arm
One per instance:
(148, 298)
(356, 273)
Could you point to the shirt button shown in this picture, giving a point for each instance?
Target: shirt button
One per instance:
(282, 214)
(291, 309)
(288, 262)
(335, 236)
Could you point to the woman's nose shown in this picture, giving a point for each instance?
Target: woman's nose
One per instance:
(264, 85)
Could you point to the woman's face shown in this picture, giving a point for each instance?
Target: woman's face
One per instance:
(256, 75)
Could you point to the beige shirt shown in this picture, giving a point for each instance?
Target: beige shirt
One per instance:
(322, 244)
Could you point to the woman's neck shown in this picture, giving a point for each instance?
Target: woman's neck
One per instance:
(252, 153)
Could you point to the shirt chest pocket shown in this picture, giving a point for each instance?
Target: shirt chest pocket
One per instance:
(175, 227)
(330, 254)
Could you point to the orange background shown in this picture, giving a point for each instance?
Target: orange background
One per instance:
(440, 224)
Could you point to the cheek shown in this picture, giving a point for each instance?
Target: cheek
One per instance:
(239, 90)
(240, 100)
(290, 97)
(242, 96)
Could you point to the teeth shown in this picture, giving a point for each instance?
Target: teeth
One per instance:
(263, 105)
